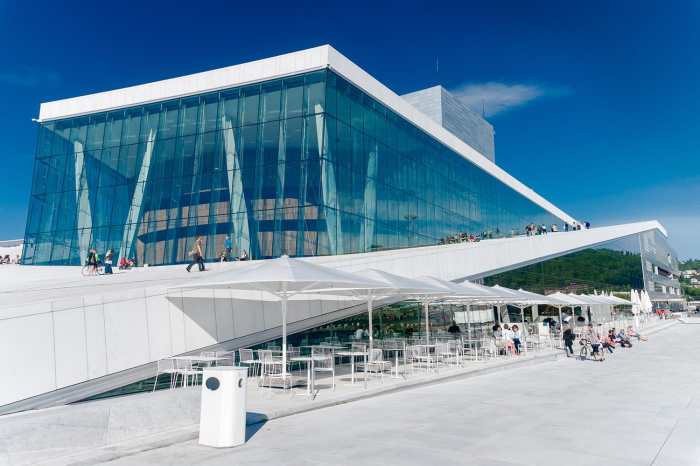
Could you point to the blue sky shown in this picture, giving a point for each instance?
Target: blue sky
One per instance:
(595, 104)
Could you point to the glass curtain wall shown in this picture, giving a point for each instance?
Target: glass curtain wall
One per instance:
(305, 165)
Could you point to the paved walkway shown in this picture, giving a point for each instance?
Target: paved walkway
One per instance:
(636, 408)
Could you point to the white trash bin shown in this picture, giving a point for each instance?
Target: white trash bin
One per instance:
(222, 417)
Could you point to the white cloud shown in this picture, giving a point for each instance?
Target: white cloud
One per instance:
(495, 97)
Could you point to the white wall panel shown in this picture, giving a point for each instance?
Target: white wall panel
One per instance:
(272, 314)
(200, 322)
(95, 341)
(127, 335)
(224, 315)
(71, 347)
(27, 357)
(177, 325)
(158, 314)
(247, 317)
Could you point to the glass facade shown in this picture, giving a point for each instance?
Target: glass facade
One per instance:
(304, 165)
(661, 271)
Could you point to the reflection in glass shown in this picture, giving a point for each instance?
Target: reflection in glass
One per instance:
(304, 165)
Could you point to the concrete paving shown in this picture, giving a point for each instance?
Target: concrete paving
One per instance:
(89, 432)
(639, 407)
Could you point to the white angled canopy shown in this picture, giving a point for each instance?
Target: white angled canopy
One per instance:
(562, 299)
(397, 284)
(537, 298)
(285, 276)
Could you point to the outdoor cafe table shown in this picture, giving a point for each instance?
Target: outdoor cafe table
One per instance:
(310, 376)
(473, 345)
(195, 358)
(352, 355)
(309, 360)
(430, 348)
(396, 351)
(330, 347)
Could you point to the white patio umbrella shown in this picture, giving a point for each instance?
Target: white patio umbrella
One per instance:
(284, 278)
(447, 289)
(393, 285)
(596, 300)
(537, 298)
(520, 299)
(473, 293)
(648, 306)
(514, 298)
(636, 305)
(561, 300)
(618, 301)
(635, 308)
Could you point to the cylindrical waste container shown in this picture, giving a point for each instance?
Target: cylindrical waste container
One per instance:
(222, 417)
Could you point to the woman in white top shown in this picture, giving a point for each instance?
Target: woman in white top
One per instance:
(508, 338)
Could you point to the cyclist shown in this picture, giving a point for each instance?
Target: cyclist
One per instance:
(594, 338)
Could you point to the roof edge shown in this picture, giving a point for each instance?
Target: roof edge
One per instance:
(279, 66)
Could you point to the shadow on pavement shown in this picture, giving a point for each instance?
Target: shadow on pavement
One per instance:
(254, 422)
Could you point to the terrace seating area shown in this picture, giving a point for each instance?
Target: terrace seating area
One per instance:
(314, 368)
(313, 365)
(311, 369)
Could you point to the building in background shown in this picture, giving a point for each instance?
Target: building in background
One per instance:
(661, 271)
(444, 108)
(302, 154)
(306, 162)
(11, 251)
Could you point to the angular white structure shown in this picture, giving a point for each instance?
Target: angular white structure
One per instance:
(63, 338)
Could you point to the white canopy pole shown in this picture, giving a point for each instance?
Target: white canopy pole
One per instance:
(469, 329)
(523, 342)
(284, 335)
(561, 328)
(371, 332)
(426, 305)
(469, 321)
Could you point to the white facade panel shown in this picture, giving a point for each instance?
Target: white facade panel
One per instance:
(27, 357)
(159, 330)
(247, 317)
(223, 307)
(259, 70)
(200, 321)
(127, 334)
(177, 325)
(95, 343)
(71, 347)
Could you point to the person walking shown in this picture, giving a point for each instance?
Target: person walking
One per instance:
(197, 255)
(109, 255)
(228, 246)
(569, 338)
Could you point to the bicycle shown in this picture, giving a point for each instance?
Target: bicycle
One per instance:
(587, 348)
